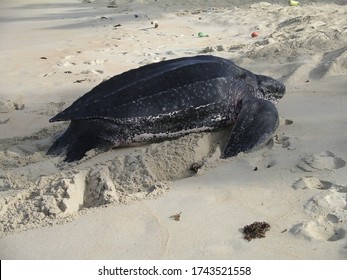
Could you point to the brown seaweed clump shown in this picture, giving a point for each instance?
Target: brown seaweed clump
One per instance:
(255, 230)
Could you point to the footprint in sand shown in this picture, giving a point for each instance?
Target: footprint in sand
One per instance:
(7, 106)
(328, 207)
(65, 62)
(84, 68)
(311, 183)
(95, 62)
(314, 230)
(282, 140)
(324, 160)
(51, 108)
(24, 151)
(92, 71)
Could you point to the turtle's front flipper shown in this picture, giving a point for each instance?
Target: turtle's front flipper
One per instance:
(255, 125)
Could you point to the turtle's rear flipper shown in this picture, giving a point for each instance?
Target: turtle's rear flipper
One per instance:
(76, 148)
(82, 136)
(255, 125)
(61, 144)
(70, 144)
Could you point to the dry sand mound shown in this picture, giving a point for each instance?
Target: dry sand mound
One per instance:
(37, 190)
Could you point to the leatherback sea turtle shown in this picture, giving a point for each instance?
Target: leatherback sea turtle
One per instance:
(172, 98)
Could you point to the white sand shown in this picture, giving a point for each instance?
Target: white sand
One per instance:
(117, 205)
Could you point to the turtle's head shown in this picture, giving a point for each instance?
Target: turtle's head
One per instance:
(270, 88)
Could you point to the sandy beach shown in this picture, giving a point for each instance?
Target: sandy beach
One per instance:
(145, 202)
